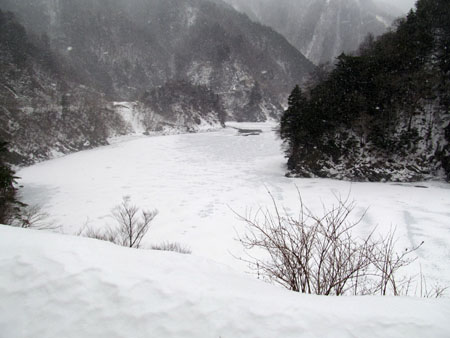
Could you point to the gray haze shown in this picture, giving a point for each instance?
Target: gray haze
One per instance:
(404, 5)
(321, 29)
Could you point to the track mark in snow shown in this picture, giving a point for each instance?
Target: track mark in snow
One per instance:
(412, 229)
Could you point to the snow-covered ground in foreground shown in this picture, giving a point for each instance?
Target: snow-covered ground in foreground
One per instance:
(198, 181)
(54, 286)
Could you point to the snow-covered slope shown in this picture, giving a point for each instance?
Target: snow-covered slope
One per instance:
(54, 286)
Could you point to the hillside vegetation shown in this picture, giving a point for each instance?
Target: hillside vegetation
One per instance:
(381, 114)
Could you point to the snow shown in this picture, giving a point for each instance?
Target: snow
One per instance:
(128, 112)
(11, 91)
(54, 286)
(199, 181)
(200, 73)
(191, 13)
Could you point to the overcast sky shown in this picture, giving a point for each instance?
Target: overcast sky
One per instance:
(404, 5)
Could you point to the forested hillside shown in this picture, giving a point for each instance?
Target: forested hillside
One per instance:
(381, 114)
(65, 64)
(46, 109)
(41, 110)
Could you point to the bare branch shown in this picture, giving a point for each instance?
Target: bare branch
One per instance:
(320, 255)
(132, 225)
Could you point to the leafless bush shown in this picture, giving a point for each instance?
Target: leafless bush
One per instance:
(107, 234)
(424, 291)
(170, 246)
(32, 217)
(388, 262)
(132, 225)
(437, 291)
(320, 255)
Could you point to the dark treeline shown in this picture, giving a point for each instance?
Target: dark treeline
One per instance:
(390, 101)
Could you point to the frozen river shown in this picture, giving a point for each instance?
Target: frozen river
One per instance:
(198, 181)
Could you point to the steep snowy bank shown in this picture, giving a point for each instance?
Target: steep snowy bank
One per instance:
(60, 286)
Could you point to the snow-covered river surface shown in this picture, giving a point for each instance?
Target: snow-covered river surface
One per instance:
(199, 182)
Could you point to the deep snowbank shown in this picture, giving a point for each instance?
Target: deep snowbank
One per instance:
(61, 286)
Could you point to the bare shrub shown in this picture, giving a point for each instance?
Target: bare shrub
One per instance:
(174, 247)
(321, 255)
(437, 291)
(107, 234)
(388, 263)
(32, 217)
(132, 225)
(424, 291)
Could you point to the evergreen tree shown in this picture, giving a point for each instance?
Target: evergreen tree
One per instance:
(292, 117)
(8, 202)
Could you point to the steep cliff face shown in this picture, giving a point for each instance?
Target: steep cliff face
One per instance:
(320, 29)
(181, 64)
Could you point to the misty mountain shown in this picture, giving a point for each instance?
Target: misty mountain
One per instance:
(202, 55)
(44, 112)
(126, 47)
(321, 29)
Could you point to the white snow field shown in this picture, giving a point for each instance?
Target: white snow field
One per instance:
(198, 181)
(54, 286)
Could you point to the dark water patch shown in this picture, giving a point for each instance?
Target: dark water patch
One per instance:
(249, 132)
